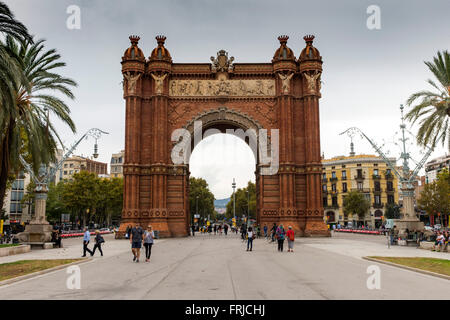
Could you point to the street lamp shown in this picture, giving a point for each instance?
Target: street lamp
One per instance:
(248, 207)
(233, 185)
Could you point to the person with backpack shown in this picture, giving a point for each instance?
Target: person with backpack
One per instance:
(148, 242)
(98, 242)
(280, 234)
(290, 237)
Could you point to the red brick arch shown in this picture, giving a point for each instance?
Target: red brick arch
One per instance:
(162, 96)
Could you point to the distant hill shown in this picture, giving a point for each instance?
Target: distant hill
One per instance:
(221, 203)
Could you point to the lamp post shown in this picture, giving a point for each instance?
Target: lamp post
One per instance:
(233, 185)
(39, 230)
(409, 220)
(248, 207)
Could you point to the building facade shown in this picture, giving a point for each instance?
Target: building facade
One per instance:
(76, 164)
(116, 165)
(433, 167)
(368, 174)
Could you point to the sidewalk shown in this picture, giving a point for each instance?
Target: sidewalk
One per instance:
(73, 248)
(358, 246)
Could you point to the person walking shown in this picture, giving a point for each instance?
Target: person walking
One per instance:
(265, 231)
(250, 237)
(280, 234)
(225, 229)
(86, 239)
(215, 229)
(98, 242)
(193, 230)
(137, 235)
(274, 231)
(127, 232)
(290, 235)
(148, 242)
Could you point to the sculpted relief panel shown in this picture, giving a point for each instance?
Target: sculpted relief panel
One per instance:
(210, 88)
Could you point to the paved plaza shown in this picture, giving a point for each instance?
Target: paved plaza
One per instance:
(218, 267)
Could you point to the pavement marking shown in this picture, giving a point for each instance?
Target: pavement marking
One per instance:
(426, 272)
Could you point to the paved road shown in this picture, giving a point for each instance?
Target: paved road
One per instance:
(218, 267)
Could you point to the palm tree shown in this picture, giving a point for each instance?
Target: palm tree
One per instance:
(26, 121)
(10, 75)
(434, 107)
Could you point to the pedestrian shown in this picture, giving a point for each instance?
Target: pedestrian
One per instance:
(98, 242)
(265, 231)
(215, 229)
(440, 239)
(225, 229)
(193, 230)
(148, 242)
(250, 237)
(290, 235)
(281, 233)
(243, 231)
(136, 238)
(274, 230)
(392, 234)
(127, 232)
(86, 239)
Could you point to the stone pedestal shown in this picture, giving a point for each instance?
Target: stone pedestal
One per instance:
(39, 231)
(409, 220)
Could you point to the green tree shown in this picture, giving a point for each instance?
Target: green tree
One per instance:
(434, 106)
(392, 211)
(356, 204)
(27, 116)
(81, 195)
(435, 198)
(198, 187)
(242, 202)
(109, 201)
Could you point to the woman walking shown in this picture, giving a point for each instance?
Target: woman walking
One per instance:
(250, 239)
(280, 236)
(98, 242)
(148, 242)
(290, 237)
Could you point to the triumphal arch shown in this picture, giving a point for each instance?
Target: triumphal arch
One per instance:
(281, 96)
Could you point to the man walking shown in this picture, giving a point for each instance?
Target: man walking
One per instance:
(137, 235)
(86, 239)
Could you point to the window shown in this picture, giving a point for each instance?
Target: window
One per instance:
(333, 174)
(377, 185)
(390, 198)
(16, 195)
(71, 165)
(377, 199)
(333, 187)
(65, 172)
(388, 171)
(344, 174)
(324, 175)
(344, 187)
(324, 187)
(65, 165)
(375, 172)
(389, 186)
(325, 202)
(367, 195)
(359, 173)
(71, 172)
(360, 186)
(334, 201)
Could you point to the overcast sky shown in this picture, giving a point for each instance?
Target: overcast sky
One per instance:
(367, 73)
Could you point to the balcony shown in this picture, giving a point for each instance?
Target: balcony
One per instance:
(377, 190)
(364, 190)
(391, 190)
(376, 177)
(333, 179)
(324, 180)
(334, 192)
(359, 177)
(344, 178)
(332, 206)
(378, 205)
(389, 176)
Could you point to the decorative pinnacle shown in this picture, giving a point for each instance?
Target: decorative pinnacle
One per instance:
(134, 40)
(309, 38)
(160, 39)
(283, 39)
